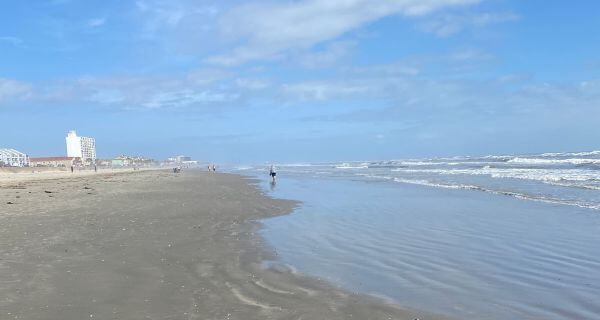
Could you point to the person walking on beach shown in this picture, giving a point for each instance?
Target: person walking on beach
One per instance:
(273, 173)
(214, 168)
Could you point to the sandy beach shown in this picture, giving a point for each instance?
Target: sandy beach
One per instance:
(155, 245)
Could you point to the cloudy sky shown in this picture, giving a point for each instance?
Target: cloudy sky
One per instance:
(303, 80)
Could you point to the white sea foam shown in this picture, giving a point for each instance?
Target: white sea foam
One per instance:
(351, 166)
(498, 157)
(440, 163)
(429, 163)
(571, 154)
(552, 154)
(372, 176)
(575, 161)
(296, 165)
(589, 153)
(518, 173)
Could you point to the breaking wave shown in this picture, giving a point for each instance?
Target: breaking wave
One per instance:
(502, 192)
(575, 161)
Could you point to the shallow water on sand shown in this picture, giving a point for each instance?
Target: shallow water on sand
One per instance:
(461, 253)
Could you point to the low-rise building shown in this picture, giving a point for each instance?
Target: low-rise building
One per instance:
(13, 158)
(121, 161)
(56, 162)
(128, 161)
(179, 159)
(104, 162)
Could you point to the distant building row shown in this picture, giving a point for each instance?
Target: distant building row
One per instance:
(127, 161)
(81, 151)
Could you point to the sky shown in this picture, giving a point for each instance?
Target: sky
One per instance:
(304, 80)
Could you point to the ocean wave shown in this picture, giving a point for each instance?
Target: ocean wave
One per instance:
(372, 176)
(498, 158)
(518, 195)
(575, 161)
(351, 167)
(243, 168)
(443, 163)
(553, 154)
(564, 177)
(297, 165)
(571, 154)
(428, 163)
(587, 153)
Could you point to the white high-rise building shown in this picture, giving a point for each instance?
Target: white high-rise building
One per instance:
(81, 147)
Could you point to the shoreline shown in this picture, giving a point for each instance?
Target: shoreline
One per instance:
(475, 255)
(153, 244)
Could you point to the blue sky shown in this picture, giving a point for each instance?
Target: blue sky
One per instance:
(304, 80)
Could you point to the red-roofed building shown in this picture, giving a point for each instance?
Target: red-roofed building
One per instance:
(54, 162)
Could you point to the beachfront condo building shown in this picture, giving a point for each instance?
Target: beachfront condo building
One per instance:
(13, 158)
(81, 147)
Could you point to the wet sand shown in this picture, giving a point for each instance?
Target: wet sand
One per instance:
(155, 245)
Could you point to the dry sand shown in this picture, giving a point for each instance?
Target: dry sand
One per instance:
(8, 174)
(154, 245)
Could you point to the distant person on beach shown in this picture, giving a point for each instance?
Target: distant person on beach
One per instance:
(71, 169)
(273, 173)
(209, 168)
(214, 168)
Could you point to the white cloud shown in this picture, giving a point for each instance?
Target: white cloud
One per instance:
(170, 14)
(446, 25)
(476, 99)
(96, 22)
(202, 77)
(253, 83)
(14, 90)
(326, 90)
(184, 98)
(269, 29)
(195, 88)
(334, 52)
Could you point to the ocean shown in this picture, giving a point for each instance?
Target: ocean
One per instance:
(491, 237)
